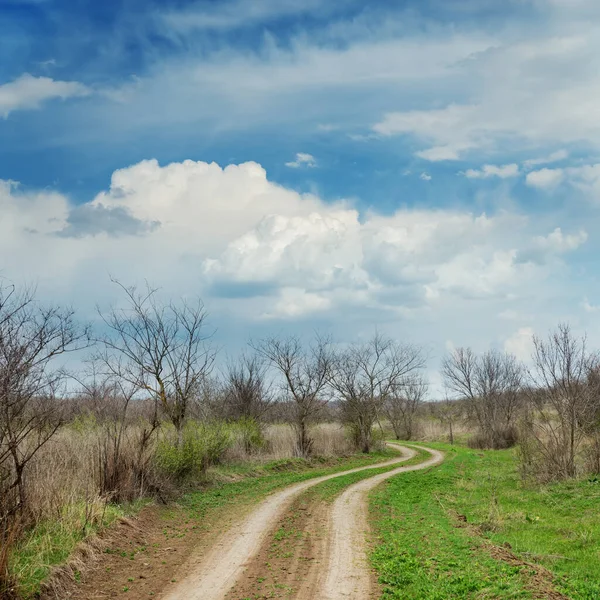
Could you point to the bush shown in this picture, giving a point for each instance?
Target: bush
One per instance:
(248, 431)
(201, 445)
(500, 440)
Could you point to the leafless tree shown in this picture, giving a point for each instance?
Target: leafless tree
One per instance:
(492, 385)
(162, 350)
(564, 393)
(247, 390)
(365, 376)
(402, 403)
(305, 371)
(32, 337)
(448, 412)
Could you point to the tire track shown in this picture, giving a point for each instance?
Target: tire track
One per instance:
(217, 572)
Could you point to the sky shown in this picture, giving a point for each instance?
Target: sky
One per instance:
(426, 168)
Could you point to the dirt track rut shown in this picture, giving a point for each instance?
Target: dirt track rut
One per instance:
(210, 577)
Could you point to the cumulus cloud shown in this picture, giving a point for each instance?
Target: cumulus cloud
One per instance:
(302, 160)
(503, 172)
(425, 176)
(28, 92)
(558, 242)
(585, 178)
(268, 252)
(545, 179)
(520, 343)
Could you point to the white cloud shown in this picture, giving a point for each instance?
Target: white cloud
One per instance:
(585, 178)
(425, 177)
(588, 307)
(521, 343)
(503, 172)
(545, 179)
(302, 160)
(558, 242)
(28, 92)
(544, 160)
(529, 91)
(260, 253)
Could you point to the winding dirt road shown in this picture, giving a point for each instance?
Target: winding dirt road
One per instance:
(343, 573)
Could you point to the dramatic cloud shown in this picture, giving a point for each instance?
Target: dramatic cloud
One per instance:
(29, 92)
(238, 235)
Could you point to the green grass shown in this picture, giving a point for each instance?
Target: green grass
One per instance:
(259, 480)
(51, 542)
(422, 553)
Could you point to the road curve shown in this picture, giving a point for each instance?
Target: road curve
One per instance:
(346, 575)
(217, 572)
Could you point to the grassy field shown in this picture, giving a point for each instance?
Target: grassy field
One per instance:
(53, 540)
(470, 529)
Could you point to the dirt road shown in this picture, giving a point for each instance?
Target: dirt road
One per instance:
(212, 576)
(346, 574)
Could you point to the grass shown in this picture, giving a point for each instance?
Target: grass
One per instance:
(52, 541)
(425, 550)
(256, 481)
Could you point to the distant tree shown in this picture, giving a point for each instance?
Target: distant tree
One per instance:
(305, 372)
(402, 403)
(491, 384)
(247, 392)
(366, 376)
(163, 350)
(564, 393)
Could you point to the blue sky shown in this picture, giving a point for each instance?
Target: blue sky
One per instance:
(431, 168)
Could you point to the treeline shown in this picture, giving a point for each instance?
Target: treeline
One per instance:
(551, 406)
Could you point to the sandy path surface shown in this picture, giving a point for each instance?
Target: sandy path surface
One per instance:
(345, 574)
(212, 576)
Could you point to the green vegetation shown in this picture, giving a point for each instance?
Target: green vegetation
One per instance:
(470, 528)
(201, 445)
(52, 541)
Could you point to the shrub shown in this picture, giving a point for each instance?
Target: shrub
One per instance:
(248, 431)
(200, 446)
(502, 439)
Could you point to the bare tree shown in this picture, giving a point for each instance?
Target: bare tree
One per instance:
(305, 372)
(32, 337)
(247, 393)
(365, 376)
(402, 403)
(492, 385)
(448, 412)
(564, 394)
(160, 349)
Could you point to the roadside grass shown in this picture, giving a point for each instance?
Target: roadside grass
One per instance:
(52, 541)
(436, 530)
